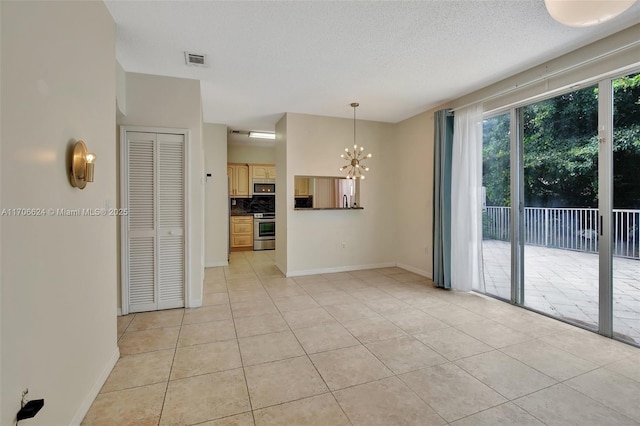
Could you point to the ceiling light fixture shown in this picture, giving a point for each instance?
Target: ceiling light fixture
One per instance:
(586, 13)
(262, 135)
(354, 166)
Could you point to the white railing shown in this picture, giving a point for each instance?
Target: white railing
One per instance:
(566, 228)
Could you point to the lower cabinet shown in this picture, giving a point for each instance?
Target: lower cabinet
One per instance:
(241, 233)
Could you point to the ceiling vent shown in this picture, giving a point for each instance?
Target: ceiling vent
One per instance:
(195, 60)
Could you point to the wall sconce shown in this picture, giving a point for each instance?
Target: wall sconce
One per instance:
(82, 162)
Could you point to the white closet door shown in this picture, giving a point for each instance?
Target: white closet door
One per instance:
(154, 193)
(171, 202)
(141, 222)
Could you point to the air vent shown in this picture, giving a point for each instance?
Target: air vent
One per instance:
(195, 59)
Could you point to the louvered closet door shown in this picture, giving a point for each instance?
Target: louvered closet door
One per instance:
(171, 255)
(143, 295)
(155, 185)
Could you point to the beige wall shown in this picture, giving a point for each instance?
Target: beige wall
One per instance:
(216, 226)
(157, 101)
(251, 154)
(396, 225)
(413, 160)
(121, 89)
(58, 274)
(315, 238)
(0, 220)
(281, 194)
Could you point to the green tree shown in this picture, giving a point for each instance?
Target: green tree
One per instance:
(496, 160)
(561, 150)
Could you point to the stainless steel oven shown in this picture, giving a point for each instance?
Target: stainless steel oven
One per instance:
(264, 231)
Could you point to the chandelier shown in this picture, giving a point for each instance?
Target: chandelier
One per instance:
(355, 168)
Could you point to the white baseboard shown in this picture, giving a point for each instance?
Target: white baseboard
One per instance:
(216, 264)
(338, 269)
(95, 390)
(415, 270)
(119, 312)
(195, 303)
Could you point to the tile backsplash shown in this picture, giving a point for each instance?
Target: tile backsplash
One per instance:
(257, 204)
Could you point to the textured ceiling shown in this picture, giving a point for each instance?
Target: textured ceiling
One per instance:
(315, 57)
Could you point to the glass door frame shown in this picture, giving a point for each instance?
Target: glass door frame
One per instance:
(605, 206)
(517, 207)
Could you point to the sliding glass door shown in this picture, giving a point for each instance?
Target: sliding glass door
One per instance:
(570, 248)
(560, 176)
(626, 208)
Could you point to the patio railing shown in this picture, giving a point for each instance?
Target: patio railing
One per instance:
(566, 228)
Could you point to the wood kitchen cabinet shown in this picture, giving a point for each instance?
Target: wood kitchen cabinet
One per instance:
(238, 180)
(241, 233)
(263, 171)
(301, 187)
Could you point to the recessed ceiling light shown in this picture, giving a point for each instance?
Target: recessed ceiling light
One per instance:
(262, 135)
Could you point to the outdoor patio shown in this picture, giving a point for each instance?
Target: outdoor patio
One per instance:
(564, 284)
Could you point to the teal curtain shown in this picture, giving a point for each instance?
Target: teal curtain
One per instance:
(443, 141)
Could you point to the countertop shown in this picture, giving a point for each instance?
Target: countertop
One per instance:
(241, 214)
(330, 208)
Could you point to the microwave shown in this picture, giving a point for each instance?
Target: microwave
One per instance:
(264, 188)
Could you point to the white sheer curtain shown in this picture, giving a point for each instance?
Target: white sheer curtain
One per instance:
(466, 191)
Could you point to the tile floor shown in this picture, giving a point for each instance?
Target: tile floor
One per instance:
(375, 347)
(564, 284)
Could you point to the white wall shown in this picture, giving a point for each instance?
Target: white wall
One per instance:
(315, 238)
(121, 89)
(0, 220)
(413, 162)
(251, 154)
(282, 197)
(58, 274)
(216, 226)
(158, 101)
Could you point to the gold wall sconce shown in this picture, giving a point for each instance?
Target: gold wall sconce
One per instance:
(82, 162)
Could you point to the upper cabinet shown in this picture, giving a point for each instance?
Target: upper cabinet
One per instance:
(263, 171)
(301, 186)
(238, 180)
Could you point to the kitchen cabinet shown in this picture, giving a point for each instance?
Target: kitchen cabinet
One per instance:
(263, 171)
(238, 180)
(301, 187)
(241, 233)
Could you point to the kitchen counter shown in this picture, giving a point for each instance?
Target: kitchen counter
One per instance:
(329, 208)
(240, 214)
